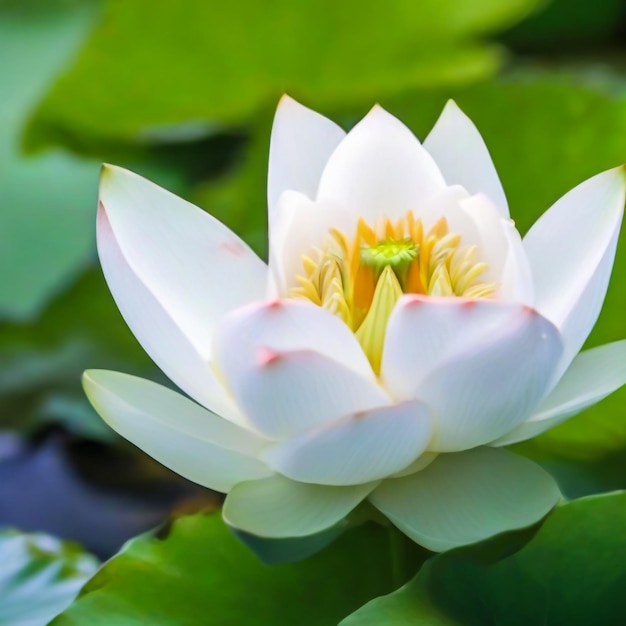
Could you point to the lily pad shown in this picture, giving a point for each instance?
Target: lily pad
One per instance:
(221, 62)
(566, 26)
(201, 574)
(46, 212)
(39, 577)
(570, 572)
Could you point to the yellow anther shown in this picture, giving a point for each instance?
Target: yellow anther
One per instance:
(440, 283)
(360, 279)
(309, 264)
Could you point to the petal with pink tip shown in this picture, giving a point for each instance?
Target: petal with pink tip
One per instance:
(355, 449)
(482, 366)
(292, 325)
(424, 331)
(292, 365)
(194, 267)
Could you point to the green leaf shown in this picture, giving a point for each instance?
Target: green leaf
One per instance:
(239, 198)
(220, 62)
(292, 549)
(47, 201)
(41, 364)
(201, 574)
(568, 25)
(577, 478)
(40, 576)
(570, 572)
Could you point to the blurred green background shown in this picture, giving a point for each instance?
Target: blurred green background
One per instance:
(184, 94)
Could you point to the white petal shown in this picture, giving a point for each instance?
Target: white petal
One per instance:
(468, 496)
(462, 156)
(356, 449)
(418, 465)
(499, 245)
(379, 169)
(289, 325)
(193, 266)
(424, 332)
(448, 203)
(593, 375)
(482, 393)
(301, 226)
(279, 507)
(516, 277)
(285, 393)
(190, 440)
(482, 366)
(583, 315)
(302, 140)
(164, 341)
(571, 251)
(291, 366)
(492, 244)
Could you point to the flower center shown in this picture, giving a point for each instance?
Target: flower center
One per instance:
(361, 279)
(397, 255)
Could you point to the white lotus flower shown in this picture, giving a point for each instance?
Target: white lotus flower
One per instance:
(402, 332)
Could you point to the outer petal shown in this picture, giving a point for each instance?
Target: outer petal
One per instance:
(418, 465)
(571, 250)
(380, 168)
(584, 313)
(194, 442)
(302, 140)
(357, 449)
(593, 375)
(466, 497)
(193, 266)
(279, 507)
(462, 156)
(300, 227)
(159, 334)
(292, 366)
(486, 365)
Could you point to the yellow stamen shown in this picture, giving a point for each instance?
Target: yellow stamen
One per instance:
(371, 333)
(361, 279)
